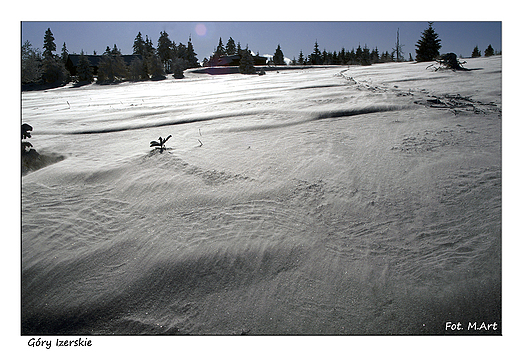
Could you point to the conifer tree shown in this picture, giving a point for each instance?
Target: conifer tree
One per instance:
(489, 51)
(53, 70)
(220, 51)
(178, 67)
(316, 55)
(476, 53)
(139, 44)
(191, 56)
(352, 56)
(278, 58)
(182, 52)
(374, 56)
(385, 57)
(428, 45)
(343, 56)
(84, 71)
(137, 70)
(155, 67)
(64, 53)
(31, 64)
(115, 50)
(148, 47)
(325, 57)
(359, 54)
(164, 50)
(301, 59)
(247, 65)
(335, 58)
(231, 48)
(48, 44)
(365, 56)
(112, 68)
(174, 49)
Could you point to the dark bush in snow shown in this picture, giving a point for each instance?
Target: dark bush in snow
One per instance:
(448, 61)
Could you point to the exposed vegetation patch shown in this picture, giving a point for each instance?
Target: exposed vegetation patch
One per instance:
(458, 104)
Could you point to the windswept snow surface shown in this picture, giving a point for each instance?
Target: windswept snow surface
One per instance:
(334, 200)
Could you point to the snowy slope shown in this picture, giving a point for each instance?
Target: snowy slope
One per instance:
(339, 200)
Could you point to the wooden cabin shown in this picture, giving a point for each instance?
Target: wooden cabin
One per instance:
(234, 61)
(73, 60)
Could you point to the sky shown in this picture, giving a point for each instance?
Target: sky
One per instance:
(263, 37)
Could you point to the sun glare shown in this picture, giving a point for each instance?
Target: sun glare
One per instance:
(200, 29)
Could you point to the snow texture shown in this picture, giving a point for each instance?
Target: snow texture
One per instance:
(331, 200)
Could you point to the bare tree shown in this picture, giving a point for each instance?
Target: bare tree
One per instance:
(398, 50)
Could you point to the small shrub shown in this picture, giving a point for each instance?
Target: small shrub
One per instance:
(448, 61)
(160, 144)
(26, 133)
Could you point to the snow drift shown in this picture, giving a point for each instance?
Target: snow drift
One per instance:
(322, 201)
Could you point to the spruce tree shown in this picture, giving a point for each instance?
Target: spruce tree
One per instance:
(155, 67)
(278, 57)
(301, 59)
(48, 44)
(343, 56)
(428, 45)
(164, 50)
(476, 53)
(139, 44)
(137, 70)
(365, 56)
(64, 53)
(182, 53)
(53, 70)
(174, 49)
(325, 57)
(191, 56)
(374, 56)
(178, 67)
(148, 47)
(220, 51)
(231, 48)
(112, 68)
(31, 64)
(316, 55)
(84, 71)
(247, 65)
(359, 54)
(385, 57)
(335, 58)
(489, 51)
(115, 50)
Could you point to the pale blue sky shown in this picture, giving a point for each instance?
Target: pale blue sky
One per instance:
(459, 37)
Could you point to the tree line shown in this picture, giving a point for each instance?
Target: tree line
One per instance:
(153, 63)
(149, 62)
(488, 52)
(359, 56)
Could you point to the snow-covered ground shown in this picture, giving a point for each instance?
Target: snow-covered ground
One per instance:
(335, 200)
